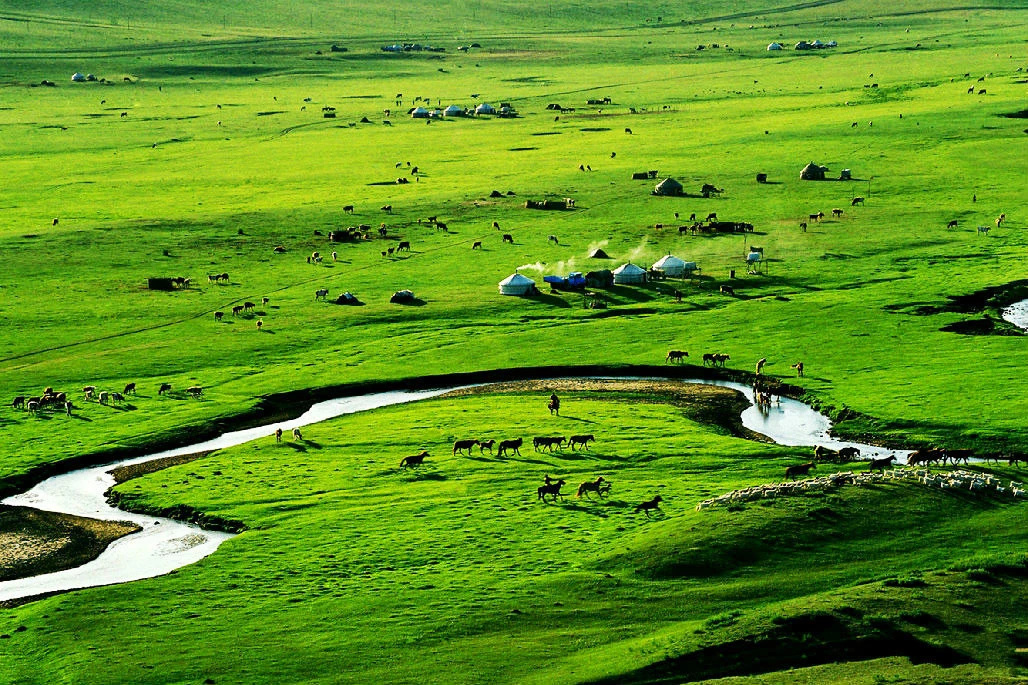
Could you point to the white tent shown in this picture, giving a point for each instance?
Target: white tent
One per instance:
(485, 108)
(774, 46)
(627, 274)
(78, 77)
(673, 266)
(453, 111)
(419, 113)
(516, 284)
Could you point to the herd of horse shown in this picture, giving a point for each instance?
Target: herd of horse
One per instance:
(51, 399)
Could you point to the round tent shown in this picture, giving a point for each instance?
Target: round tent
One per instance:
(813, 172)
(78, 77)
(668, 186)
(774, 46)
(628, 274)
(419, 113)
(453, 111)
(516, 284)
(673, 266)
(485, 108)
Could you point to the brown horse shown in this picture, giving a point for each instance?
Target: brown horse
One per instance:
(413, 460)
(599, 486)
(649, 505)
(881, 464)
(799, 470)
(676, 356)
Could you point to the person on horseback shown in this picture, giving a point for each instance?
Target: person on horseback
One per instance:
(554, 404)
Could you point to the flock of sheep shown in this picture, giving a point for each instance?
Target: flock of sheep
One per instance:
(954, 480)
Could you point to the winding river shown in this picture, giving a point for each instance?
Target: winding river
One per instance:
(164, 545)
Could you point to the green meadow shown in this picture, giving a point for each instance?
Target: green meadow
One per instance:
(204, 145)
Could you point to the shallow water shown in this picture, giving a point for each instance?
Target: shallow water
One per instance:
(1017, 314)
(165, 545)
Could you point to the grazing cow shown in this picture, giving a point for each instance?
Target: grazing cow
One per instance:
(799, 470)
(508, 238)
(214, 278)
(720, 359)
(952, 224)
(348, 209)
(552, 489)
(711, 217)
(382, 232)
(727, 290)
(803, 225)
(599, 486)
(461, 445)
(983, 230)
(836, 213)
(390, 251)
(441, 226)
(404, 246)
(55, 221)
(320, 294)
(237, 310)
(553, 239)
(484, 445)
(19, 402)
(856, 201)
(628, 131)
(264, 301)
(387, 208)
(130, 389)
(582, 440)
(650, 505)
(513, 445)
(496, 225)
(32, 406)
(218, 316)
(675, 356)
(799, 368)
(413, 460)
(248, 306)
(105, 397)
(89, 390)
(477, 245)
(278, 435)
(817, 217)
(117, 397)
(881, 464)
(981, 92)
(194, 391)
(260, 325)
(297, 435)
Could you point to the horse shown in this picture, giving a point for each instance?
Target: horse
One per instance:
(513, 445)
(413, 460)
(849, 453)
(649, 505)
(165, 387)
(675, 356)
(297, 435)
(709, 357)
(582, 440)
(194, 390)
(599, 486)
(130, 389)
(278, 435)
(462, 445)
(952, 224)
(799, 470)
(720, 359)
(727, 290)
(799, 368)
(881, 464)
(552, 489)
(483, 445)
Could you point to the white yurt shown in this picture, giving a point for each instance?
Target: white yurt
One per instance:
(673, 266)
(78, 77)
(516, 284)
(628, 274)
(419, 113)
(485, 108)
(453, 111)
(774, 46)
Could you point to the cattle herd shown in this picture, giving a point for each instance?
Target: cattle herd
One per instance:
(51, 400)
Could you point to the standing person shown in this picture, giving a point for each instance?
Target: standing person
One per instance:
(554, 405)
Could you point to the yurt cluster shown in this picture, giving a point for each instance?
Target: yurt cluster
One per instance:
(668, 266)
(452, 111)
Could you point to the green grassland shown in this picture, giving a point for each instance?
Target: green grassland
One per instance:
(205, 147)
